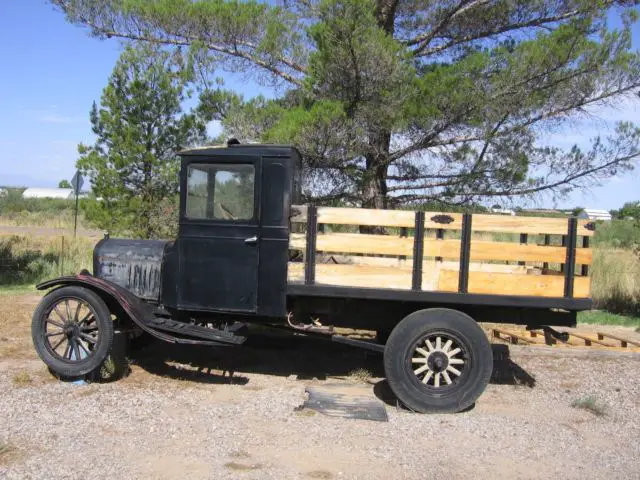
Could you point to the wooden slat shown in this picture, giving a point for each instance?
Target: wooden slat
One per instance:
(358, 216)
(427, 265)
(496, 283)
(357, 243)
(623, 341)
(406, 218)
(376, 218)
(480, 250)
(539, 225)
(354, 275)
(509, 284)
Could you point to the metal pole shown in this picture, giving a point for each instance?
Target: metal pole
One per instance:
(62, 258)
(75, 220)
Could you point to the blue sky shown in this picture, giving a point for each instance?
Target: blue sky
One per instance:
(53, 71)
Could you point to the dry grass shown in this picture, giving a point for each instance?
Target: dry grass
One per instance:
(360, 375)
(62, 219)
(591, 404)
(616, 280)
(241, 467)
(28, 259)
(22, 379)
(324, 474)
(6, 448)
(15, 325)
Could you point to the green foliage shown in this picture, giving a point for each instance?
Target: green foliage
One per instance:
(630, 210)
(618, 234)
(29, 260)
(140, 125)
(14, 202)
(591, 404)
(64, 184)
(398, 103)
(598, 317)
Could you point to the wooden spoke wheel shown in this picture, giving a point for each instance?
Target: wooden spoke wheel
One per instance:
(72, 331)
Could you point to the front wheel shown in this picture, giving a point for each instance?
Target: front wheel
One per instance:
(438, 361)
(72, 331)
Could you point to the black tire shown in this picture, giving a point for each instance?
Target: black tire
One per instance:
(474, 361)
(98, 326)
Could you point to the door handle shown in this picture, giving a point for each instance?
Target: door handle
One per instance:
(251, 240)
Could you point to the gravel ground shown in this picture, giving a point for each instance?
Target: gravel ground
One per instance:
(201, 413)
(169, 421)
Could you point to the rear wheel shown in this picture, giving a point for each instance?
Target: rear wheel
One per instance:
(438, 361)
(72, 331)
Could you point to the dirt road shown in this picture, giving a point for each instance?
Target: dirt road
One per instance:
(200, 413)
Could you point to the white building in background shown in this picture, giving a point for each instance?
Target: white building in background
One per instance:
(595, 214)
(503, 211)
(64, 193)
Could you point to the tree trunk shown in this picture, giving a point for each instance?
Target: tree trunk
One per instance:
(374, 185)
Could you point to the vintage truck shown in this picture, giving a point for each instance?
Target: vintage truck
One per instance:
(245, 254)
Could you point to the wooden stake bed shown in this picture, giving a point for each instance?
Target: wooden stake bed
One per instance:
(500, 255)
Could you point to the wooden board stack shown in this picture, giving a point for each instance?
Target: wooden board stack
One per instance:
(498, 264)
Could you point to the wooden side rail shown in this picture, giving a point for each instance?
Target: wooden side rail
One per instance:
(403, 246)
(531, 280)
(441, 220)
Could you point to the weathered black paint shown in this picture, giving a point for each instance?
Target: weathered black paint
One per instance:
(427, 299)
(310, 252)
(465, 253)
(418, 252)
(220, 267)
(585, 244)
(570, 263)
(215, 271)
(133, 264)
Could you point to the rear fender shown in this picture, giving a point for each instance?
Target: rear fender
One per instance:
(138, 311)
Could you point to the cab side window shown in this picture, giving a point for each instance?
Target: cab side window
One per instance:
(220, 192)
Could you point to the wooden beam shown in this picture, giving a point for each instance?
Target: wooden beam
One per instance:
(439, 220)
(510, 284)
(379, 218)
(623, 341)
(480, 250)
(354, 275)
(539, 225)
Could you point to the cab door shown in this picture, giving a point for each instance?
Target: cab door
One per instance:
(219, 244)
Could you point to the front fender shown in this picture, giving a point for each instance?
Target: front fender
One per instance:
(138, 311)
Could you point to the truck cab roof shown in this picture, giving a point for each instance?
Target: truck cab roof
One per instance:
(264, 149)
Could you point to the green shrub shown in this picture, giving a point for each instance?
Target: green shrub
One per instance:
(618, 234)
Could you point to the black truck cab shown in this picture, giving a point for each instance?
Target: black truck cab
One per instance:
(232, 248)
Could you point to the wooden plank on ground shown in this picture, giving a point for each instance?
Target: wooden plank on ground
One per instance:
(494, 283)
(623, 341)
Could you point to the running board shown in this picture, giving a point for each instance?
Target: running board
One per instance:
(212, 335)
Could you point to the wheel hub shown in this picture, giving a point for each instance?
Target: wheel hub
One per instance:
(438, 362)
(71, 329)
